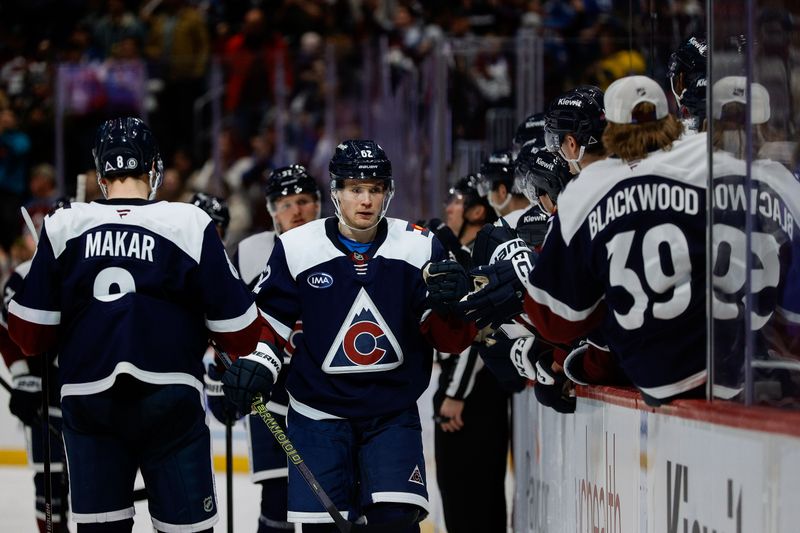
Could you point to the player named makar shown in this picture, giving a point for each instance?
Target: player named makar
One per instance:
(128, 289)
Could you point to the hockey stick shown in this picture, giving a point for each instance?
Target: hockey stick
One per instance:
(259, 408)
(48, 484)
(229, 470)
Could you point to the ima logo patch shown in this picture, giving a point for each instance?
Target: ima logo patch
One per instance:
(364, 343)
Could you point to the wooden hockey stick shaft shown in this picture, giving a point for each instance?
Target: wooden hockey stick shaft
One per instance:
(48, 483)
(229, 471)
(258, 407)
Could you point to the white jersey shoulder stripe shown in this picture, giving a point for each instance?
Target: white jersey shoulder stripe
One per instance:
(183, 224)
(307, 246)
(560, 308)
(23, 269)
(253, 253)
(282, 330)
(231, 325)
(684, 163)
(35, 316)
(410, 246)
(124, 367)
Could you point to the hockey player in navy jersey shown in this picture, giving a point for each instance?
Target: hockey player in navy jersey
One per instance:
(292, 198)
(128, 291)
(497, 185)
(771, 199)
(626, 249)
(472, 425)
(686, 72)
(26, 403)
(356, 282)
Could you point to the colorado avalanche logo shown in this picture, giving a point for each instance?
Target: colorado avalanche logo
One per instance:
(364, 343)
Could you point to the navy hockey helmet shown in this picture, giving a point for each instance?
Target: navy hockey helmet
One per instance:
(126, 147)
(361, 160)
(541, 173)
(467, 188)
(214, 207)
(689, 63)
(579, 112)
(58, 203)
(496, 169)
(286, 181)
(529, 132)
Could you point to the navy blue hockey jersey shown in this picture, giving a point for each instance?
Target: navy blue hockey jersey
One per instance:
(131, 286)
(365, 348)
(627, 250)
(773, 203)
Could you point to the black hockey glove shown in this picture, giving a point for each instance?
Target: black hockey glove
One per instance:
(251, 376)
(218, 404)
(488, 239)
(26, 398)
(447, 284)
(450, 242)
(499, 290)
(553, 389)
(496, 355)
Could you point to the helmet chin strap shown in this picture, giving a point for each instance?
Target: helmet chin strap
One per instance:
(499, 207)
(574, 162)
(678, 97)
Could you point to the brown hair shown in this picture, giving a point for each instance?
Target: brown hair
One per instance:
(729, 132)
(635, 141)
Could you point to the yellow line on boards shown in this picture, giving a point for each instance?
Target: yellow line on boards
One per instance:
(13, 457)
(20, 458)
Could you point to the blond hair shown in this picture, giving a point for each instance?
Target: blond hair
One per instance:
(636, 141)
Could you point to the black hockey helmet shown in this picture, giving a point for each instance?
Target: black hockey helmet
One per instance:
(541, 173)
(58, 203)
(690, 60)
(126, 147)
(496, 169)
(579, 112)
(214, 207)
(467, 188)
(360, 159)
(286, 181)
(529, 132)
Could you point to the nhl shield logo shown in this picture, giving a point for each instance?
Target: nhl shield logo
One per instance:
(365, 343)
(208, 504)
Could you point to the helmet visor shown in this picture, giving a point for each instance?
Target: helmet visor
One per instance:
(484, 186)
(552, 141)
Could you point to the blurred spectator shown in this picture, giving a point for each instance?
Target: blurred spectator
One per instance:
(14, 148)
(251, 58)
(178, 45)
(43, 193)
(616, 59)
(116, 26)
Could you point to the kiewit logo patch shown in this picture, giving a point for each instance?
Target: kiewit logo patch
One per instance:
(365, 343)
(416, 476)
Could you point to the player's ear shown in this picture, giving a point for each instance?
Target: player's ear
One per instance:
(502, 192)
(475, 214)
